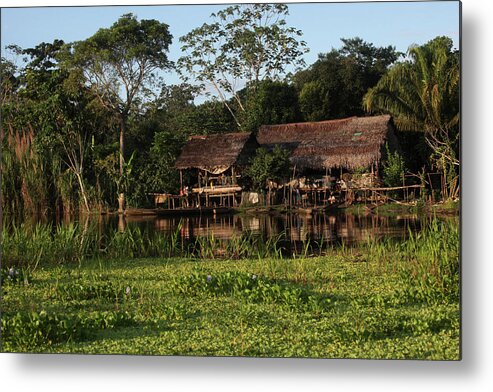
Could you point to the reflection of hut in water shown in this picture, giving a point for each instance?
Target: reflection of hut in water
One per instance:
(345, 153)
(165, 224)
(251, 223)
(354, 228)
(215, 163)
(222, 227)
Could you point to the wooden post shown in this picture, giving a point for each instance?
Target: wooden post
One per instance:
(181, 179)
(290, 195)
(431, 189)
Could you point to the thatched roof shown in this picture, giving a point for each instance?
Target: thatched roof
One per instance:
(218, 152)
(351, 143)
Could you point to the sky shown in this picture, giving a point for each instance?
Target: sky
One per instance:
(399, 24)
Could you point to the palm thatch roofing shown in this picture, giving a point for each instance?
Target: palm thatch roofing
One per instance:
(218, 152)
(351, 143)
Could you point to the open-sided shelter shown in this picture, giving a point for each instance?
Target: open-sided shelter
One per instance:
(216, 162)
(333, 155)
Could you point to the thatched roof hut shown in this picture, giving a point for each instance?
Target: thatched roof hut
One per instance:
(355, 142)
(218, 152)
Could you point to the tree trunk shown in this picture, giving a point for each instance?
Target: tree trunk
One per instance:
(82, 190)
(121, 203)
(121, 195)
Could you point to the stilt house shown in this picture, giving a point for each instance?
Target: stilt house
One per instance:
(215, 163)
(328, 152)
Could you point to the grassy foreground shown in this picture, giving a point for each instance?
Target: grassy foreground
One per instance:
(377, 300)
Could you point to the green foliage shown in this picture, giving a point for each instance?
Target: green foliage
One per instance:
(124, 58)
(53, 125)
(64, 111)
(159, 136)
(268, 166)
(26, 247)
(432, 264)
(314, 101)
(208, 118)
(249, 42)
(422, 94)
(14, 276)
(25, 332)
(270, 102)
(401, 303)
(333, 87)
(119, 64)
(48, 119)
(393, 168)
(99, 290)
(248, 287)
(159, 175)
(8, 81)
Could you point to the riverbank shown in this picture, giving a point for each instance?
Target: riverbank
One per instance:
(376, 300)
(450, 208)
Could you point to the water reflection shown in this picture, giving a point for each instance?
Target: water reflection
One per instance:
(335, 227)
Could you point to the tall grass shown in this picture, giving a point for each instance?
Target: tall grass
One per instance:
(431, 262)
(427, 261)
(26, 246)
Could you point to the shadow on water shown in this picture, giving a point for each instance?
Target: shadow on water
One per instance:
(335, 227)
(234, 235)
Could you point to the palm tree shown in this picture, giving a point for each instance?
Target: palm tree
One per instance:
(422, 94)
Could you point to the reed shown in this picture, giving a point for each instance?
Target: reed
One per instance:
(428, 259)
(431, 262)
(379, 299)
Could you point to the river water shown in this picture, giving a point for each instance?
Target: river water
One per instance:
(335, 227)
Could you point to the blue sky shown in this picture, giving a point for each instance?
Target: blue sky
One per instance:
(323, 24)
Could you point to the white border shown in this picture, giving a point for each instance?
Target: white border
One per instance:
(126, 373)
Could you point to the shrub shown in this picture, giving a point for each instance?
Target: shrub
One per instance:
(40, 330)
(393, 168)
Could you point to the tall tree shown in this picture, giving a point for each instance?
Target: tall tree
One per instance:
(120, 64)
(8, 81)
(333, 87)
(422, 94)
(244, 44)
(47, 110)
(270, 102)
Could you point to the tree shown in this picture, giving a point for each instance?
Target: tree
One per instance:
(159, 174)
(334, 86)
(8, 81)
(422, 94)
(120, 64)
(269, 102)
(268, 166)
(315, 101)
(393, 168)
(47, 123)
(245, 44)
(74, 145)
